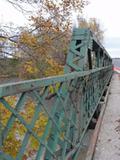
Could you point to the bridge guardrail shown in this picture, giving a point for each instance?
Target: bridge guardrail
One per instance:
(47, 118)
(68, 109)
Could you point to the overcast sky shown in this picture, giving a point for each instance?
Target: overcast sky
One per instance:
(9, 14)
(106, 11)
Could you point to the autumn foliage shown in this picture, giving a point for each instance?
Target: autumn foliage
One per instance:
(44, 48)
(41, 50)
(17, 132)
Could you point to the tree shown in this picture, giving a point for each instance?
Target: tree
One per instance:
(42, 49)
(94, 25)
(47, 40)
(43, 46)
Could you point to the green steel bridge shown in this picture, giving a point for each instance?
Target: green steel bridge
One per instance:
(67, 104)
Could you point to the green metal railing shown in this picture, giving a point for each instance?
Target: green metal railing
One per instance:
(66, 110)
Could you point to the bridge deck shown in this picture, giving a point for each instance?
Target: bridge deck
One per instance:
(108, 144)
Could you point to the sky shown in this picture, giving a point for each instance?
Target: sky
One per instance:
(106, 11)
(9, 14)
(108, 14)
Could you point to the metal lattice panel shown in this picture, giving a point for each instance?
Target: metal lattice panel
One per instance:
(47, 118)
(68, 110)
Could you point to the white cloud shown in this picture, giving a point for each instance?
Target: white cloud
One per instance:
(115, 53)
(8, 14)
(107, 12)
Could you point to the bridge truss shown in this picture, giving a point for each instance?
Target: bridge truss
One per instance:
(68, 103)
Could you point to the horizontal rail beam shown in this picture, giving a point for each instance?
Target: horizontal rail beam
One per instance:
(18, 87)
